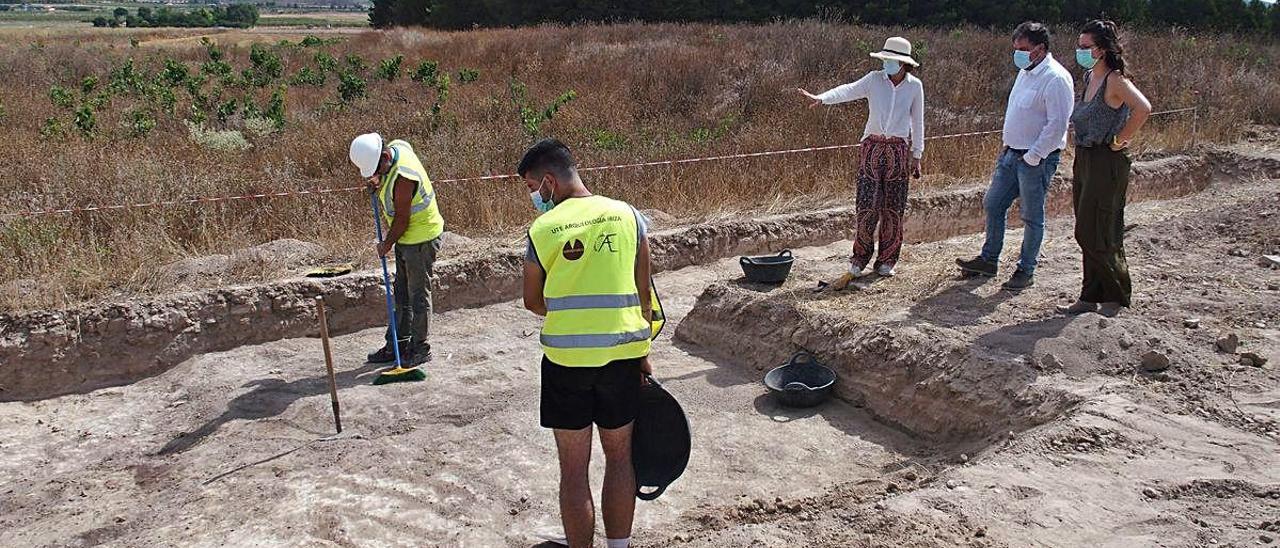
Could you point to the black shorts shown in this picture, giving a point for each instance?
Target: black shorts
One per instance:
(575, 397)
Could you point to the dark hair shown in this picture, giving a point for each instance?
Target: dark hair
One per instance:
(1034, 32)
(548, 155)
(1106, 36)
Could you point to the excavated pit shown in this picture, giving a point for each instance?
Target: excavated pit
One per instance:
(935, 381)
(49, 353)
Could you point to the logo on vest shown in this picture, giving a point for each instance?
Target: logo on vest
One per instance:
(573, 250)
(606, 240)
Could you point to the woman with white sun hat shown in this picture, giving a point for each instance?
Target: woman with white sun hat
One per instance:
(892, 146)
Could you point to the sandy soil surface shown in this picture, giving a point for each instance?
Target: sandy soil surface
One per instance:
(230, 448)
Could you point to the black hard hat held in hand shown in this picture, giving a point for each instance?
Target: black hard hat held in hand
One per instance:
(660, 441)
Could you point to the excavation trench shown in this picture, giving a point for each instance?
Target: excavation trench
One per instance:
(929, 379)
(49, 353)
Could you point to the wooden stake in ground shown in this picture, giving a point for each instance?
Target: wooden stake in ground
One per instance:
(328, 363)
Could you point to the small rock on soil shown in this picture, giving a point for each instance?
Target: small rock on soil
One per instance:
(1154, 361)
(1229, 343)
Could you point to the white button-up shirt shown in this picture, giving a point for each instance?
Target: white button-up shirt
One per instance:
(893, 111)
(1039, 110)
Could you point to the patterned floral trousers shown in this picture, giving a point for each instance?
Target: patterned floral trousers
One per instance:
(883, 173)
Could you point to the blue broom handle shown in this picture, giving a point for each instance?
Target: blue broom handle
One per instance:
(386, 279)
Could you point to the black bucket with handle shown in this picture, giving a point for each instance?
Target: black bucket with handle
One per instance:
(769, 269)
(802, 382)
(660, 441)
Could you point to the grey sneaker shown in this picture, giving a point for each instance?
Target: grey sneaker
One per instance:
(1077, 308)
(885, 270)
(1020, 280)
(1110, 310)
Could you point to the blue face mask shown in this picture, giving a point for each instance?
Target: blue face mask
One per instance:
(1084, 58)
(539, 204)
(1021, 59)
(891, 67)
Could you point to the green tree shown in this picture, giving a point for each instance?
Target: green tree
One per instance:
(412, 12)
(240, 15)
(382, 14)
(389, 68)
(325, 62)
(275, 107)
(531, 117)
(426, 72)
(1275, 19)
(85, 121)
(266, 66)
(61, 97)
(1241, 15)
(350, 86)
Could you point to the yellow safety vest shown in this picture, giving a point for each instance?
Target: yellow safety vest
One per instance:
(425, 221)
(588, 246)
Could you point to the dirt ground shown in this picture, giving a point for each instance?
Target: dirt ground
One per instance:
(231, 448)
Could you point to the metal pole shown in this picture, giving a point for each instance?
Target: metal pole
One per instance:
(328, 363)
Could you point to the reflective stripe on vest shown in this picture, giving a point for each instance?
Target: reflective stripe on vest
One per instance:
(587, 247)
(420, 203)
(602, 340)
(579, 302)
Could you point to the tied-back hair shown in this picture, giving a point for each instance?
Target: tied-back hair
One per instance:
(1106, 36)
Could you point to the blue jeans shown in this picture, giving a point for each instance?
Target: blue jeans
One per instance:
(1013, 178)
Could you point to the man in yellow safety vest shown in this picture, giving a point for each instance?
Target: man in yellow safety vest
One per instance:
(587, 271)
(414, 225)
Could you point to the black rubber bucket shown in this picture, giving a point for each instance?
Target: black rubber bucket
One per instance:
(770, 269)
(660, 441)
(802, 382)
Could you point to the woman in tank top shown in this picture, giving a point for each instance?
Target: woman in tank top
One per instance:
(1107, 116)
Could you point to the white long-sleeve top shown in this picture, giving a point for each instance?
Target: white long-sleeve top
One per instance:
(1039, 110)
(893, 111)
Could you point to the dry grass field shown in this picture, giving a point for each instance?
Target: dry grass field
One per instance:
(105, 116)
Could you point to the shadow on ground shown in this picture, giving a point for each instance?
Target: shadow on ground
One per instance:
(268, 398)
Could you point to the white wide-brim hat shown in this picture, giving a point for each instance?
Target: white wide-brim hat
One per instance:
(897, 49)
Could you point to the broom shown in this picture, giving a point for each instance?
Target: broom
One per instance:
(399, 373)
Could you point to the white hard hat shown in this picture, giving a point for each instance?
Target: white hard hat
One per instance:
(366, 152)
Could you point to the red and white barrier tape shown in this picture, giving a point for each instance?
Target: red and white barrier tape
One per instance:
(185, 201)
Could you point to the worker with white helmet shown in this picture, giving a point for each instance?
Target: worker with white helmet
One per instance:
(407, 201)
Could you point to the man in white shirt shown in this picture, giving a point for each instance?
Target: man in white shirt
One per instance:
(892, 145)
(1035, 132)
